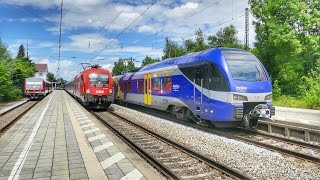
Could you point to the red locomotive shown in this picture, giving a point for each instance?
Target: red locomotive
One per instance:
(93, 87)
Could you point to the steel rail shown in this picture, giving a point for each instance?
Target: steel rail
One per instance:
(260, 144)
(9, 110)
(300, 143)
(271, 147)
(3, 129)
(212, 163)
(167, 172)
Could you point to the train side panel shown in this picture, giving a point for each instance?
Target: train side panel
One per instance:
(203, 86)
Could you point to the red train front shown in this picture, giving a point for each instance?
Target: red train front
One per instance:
(93, 87)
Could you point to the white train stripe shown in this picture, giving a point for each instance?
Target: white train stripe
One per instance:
(87, 125)
(96, 137)
(112, 160)
(91, 131)
(103, 146)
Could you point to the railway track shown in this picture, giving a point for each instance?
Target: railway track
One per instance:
(284, 145)
(8, 118)
(172, 159)
(298, 149)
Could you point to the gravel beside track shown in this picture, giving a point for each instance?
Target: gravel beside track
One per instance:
(299, 149)
(173, 160)
(254, 161)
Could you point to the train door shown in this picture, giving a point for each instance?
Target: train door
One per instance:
(147, 89)
(198, 94)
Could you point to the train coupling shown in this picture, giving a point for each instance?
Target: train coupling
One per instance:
(251, 116)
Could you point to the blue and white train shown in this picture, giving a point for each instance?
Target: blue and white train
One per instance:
(226, 87)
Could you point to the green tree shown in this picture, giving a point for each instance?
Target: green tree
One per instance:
(22, 69)
(226, 37)
(198, 44)
(172, 49)
(149, 60)
(287, 40)
(21, 54)
(120, 66)
(50, 77)
(8, 90)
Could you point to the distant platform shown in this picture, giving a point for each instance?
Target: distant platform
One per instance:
(299, 116)
(10, 105)
(59, 139)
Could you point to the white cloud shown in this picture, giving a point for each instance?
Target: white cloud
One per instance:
(146, 29)
(68, 69)
(108, 67)
(87, 43)
(138, 50)
(182, 10)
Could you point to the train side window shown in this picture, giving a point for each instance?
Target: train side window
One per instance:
(129, 89)
(140, 87)
(195, 73)
(156, 84)
(166, 84)
(216, 80)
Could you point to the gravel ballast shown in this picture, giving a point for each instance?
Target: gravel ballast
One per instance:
(254, 161)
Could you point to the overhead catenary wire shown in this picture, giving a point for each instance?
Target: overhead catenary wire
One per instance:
(30, 12)
(119, 34)
(177, 23)
(206, 29)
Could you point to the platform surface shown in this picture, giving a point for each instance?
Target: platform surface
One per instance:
(296, 115)
(59, 139)
(4, 107)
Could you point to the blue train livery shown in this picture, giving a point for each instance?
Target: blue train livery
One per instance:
(225, 87)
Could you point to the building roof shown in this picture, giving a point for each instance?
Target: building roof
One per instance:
(41, 68)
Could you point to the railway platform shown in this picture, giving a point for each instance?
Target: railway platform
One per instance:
(4, 107)
(59, 139)
(299, 116)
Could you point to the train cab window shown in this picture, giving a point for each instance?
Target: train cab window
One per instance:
(215, 79)
(156, 84)
(166, 84)
(244, 66)
(140, 87)
(98, 79)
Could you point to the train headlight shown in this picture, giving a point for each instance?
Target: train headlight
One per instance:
(239, 97)
(268, 97)
(110, 90)
(88, 90)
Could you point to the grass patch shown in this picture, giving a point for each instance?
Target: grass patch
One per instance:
(294, 102)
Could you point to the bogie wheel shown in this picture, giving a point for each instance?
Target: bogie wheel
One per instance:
(181, 114)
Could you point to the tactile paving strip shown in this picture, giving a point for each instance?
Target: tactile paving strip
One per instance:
(114, 163)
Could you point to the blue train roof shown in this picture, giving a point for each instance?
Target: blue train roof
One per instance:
(213, 54)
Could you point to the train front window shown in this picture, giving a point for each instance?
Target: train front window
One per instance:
(244, 66)
(98, 79)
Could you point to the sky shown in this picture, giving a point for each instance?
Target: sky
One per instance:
(102, 31)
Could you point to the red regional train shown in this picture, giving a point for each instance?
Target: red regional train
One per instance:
(93, 87)
(36, 88)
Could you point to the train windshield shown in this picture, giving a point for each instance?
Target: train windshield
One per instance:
(33, 85)
(244, 66)
(98, 79)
